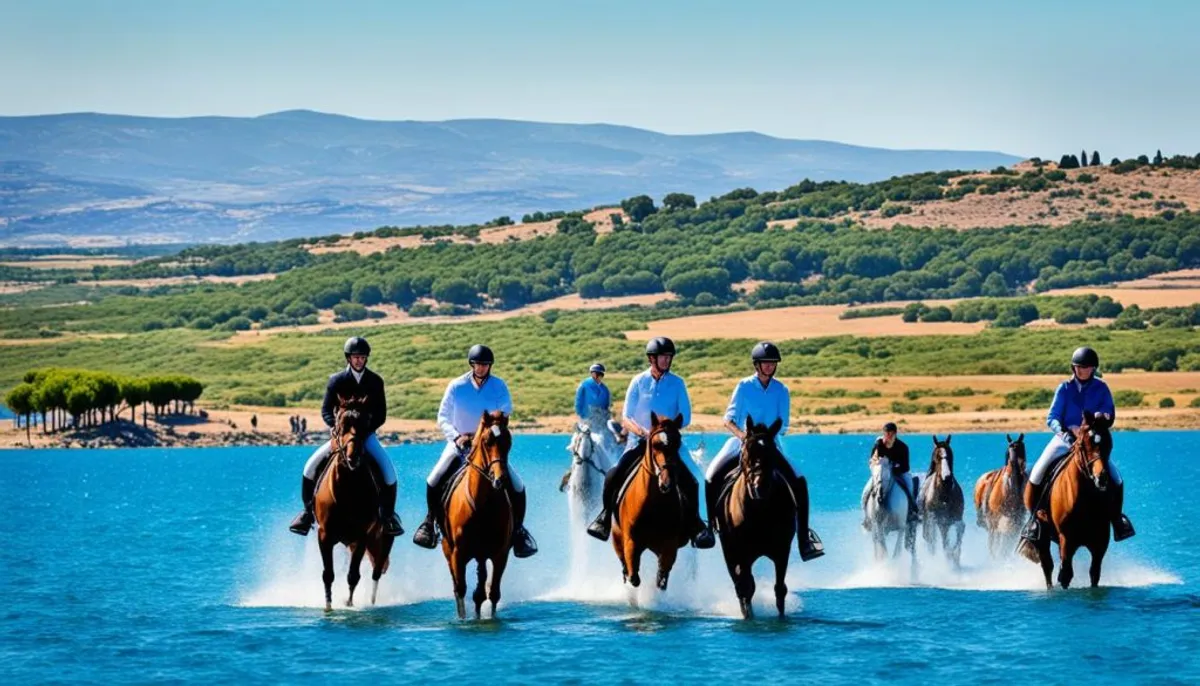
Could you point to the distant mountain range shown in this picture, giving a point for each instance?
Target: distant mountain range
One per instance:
(106, 179)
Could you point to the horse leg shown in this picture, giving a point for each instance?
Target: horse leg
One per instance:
(746, 588)
(357, 551)
(379, 553)
(1047, 560)
(633, 562)
(499, 564)
(326, 545)
(458, 576)
(480, 593)
(928, 532)
(618, 542)
(1066, 566)
(959, 529)
(781, 589)
(665, 562)
(1098, 550)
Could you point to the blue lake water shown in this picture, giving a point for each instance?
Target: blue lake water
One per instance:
(176, 565)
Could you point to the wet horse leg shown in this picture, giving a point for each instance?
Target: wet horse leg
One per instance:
(1047, 559)
(666, 561)
(357, 551)
(1098, 549)
(499, 563)
(1066, 552)
(480, 593)
(325, 543)
(633, 562)
(458, 576)
(781, 589)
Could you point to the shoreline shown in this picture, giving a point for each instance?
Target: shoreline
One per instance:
(230, 428)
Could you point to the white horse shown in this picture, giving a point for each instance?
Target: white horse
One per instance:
(594, 450)
(885, 510)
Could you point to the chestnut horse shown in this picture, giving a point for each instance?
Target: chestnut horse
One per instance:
(651, 514)
(346, 504)
(942, 502)
(1079, 503)
(998, 498)
(756, 516)
(479, 517)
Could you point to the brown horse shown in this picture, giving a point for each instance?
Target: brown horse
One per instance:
(942, 502)
(756, 516)
(998, 498)
(651, 515)
(1079, 498)
(479, 517)
(347, 503)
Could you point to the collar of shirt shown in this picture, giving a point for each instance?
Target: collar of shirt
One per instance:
(357, 375)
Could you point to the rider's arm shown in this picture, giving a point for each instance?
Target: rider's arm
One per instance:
(445, 416)
(1107, 406)
(505, 404)
(379, 408)
(1054, 419)
(631, 399)
(785, 411)
(731, 414)
(685, 404)
(330, 403)
(580, 397)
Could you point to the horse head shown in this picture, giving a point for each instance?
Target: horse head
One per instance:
(490, 448)
(1093, 445)
(662, 449)
(881, 477)
(941, 462)
(352, 425)
(1014, 458)
(584, 443)
(757, 450)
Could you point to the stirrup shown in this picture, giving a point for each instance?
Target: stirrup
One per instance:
(704, 539)
(1123, 529)
(1033, 530)
(811, 547)
(523, 543)
(426, 535)
(302, 524)
(392, 525)
(600, 527)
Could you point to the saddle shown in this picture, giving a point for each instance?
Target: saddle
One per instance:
(324, 468)
(731, 477)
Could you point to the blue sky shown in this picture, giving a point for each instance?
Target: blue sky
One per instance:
(1031, 78)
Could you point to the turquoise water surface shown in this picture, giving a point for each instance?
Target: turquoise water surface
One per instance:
(149, 565)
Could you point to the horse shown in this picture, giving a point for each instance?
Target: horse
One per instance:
(592, 455)
(651, 513)
(346, 504)
(756, 516)
(885, 510)
(998, 498)
(1079, 503)
(479, 517)
(942, 502)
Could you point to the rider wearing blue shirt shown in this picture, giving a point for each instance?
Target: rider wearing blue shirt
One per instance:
(1083, 392)
(592, 398)
(466, 399)
(764, 399)
(660, 392)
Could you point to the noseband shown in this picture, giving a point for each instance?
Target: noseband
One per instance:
(485, 470)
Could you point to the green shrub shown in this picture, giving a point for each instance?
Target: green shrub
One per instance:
(1195, 402)
(1128, 398)
(1028, 399)
(1166, 402)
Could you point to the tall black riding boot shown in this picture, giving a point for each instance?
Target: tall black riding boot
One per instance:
(304, 521)
(387, 511)
(522, 541)
(1122, 527)
(807, 540)
(712, 492)
(701, 534)
(600, 527)
(426, 535)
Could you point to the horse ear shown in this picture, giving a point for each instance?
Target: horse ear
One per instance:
(776, 426)
(935, 441)
(341, 400)
(653, 418)
(749, 423)
(948, 437)
(1008, 438)
(1020, 438)
(679, 420)
(1089, 417)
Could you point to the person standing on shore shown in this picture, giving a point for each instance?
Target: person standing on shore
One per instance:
(355, 381)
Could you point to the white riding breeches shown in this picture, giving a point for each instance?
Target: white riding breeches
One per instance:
(731, 451)
(373, 447)
(450, 455)
(1057, 448)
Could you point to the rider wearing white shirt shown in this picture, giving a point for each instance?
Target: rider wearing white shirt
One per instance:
(764, 399)
(660, 392)
(466, 399)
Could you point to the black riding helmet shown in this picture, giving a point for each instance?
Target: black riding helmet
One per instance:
(356, 345)
(660, 345)
(1085, 357)
(765, 351)
(481, 354)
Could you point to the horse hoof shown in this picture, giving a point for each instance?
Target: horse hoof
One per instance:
(329, 607)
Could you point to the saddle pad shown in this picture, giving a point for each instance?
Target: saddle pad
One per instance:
(448, 489)
(731, 479)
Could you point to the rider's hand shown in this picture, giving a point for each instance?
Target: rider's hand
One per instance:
(462, 441)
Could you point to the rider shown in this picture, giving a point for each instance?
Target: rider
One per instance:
(466, 399)
(765, 399)
(1083, 392)
(657, 391)
(353, 381)
(592, 399)
(890, 446)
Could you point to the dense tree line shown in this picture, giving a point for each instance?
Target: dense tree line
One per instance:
(77, 397)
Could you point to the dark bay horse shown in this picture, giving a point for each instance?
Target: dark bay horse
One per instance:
(999, 497)
(651, 514)
(1079, 503)
(479, 517)
(942, 502)
(756, 516)
(347, 503)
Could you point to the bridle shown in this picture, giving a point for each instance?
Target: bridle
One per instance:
(661, 436)
(586, 435)
(488, 460)
(1084, 460)
(337, 444)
